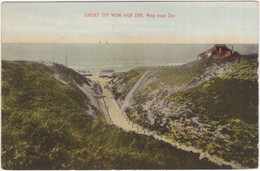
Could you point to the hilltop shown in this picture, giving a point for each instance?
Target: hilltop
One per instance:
(52, 119)
(208, 104)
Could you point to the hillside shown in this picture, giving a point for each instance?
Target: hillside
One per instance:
(51, 119)
(209, 104)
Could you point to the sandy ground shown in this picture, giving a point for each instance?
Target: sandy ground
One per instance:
(116, 116)
(132, 91)
(102, 101)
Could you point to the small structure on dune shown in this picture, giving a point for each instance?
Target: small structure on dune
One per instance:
(219, 51)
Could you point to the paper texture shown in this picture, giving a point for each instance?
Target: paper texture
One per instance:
(130, 85)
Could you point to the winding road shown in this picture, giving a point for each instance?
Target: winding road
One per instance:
(118, 117)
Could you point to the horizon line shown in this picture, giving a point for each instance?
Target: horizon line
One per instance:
(107, 43)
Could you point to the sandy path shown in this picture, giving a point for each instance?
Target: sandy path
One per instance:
(102, 101)
(119, 118)
(132, 91)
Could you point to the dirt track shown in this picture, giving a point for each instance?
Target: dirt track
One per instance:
(119, 118)
(132, 91)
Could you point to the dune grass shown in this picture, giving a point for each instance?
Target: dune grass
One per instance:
(45, 126)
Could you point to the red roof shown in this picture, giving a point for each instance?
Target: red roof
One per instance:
(219, 51)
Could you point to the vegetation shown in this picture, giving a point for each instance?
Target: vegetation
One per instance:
(231, 96)
(127, 80)
(179, 75)
(45, 126)
(142, 96)
(182, 74)
(219, 116)
(228, 100)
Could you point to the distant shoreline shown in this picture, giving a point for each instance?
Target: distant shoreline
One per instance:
(119, 57)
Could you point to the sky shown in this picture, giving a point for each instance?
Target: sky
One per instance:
(194, 22)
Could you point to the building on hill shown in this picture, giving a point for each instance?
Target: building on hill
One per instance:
(219, 51)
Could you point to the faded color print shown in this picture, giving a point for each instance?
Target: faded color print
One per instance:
(129, 85)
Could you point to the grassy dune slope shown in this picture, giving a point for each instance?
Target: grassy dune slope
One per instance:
(124, 83)
(209, 104)
(46, 125)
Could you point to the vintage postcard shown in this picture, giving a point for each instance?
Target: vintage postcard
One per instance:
(129, 85)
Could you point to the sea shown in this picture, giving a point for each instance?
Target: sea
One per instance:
(93, 58)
